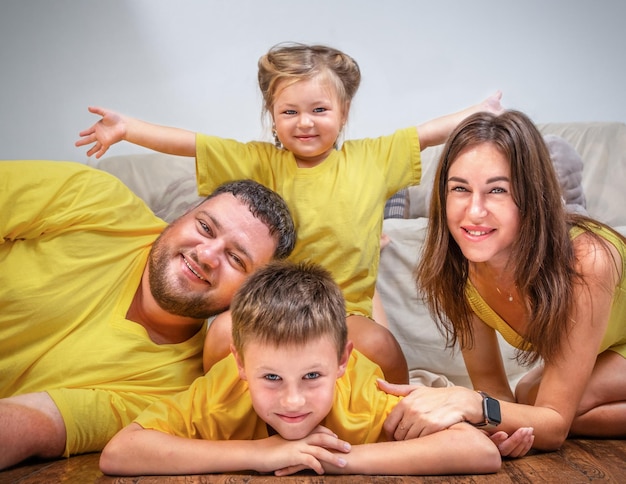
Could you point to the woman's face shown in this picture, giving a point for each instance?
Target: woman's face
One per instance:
(481, 213)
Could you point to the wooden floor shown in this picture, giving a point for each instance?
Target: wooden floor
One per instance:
(577, 461)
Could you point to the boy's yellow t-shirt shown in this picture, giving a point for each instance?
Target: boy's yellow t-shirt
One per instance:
(217, 406)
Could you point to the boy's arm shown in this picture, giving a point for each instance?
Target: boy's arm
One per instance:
(460, 449)
(436, 131)
(114, 127)
(138, 451)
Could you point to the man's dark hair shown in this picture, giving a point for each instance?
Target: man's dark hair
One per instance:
(267, 206)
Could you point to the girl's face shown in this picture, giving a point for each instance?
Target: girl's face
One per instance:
(481, 214)
(308, 117)
(292, 386)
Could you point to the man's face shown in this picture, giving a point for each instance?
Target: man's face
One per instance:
(293, 386)
(201, 259)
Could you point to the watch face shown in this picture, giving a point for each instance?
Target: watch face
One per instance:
(492, 410)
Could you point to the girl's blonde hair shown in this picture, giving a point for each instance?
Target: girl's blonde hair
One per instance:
(294, 62)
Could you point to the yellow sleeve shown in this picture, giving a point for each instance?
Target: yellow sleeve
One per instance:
(360, 407)
(217, 406)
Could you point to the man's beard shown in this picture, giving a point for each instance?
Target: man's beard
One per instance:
(169, 297)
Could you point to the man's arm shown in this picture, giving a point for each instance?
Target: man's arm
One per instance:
(114, 127)
(436, 131)
(138, 451)
(31, 427)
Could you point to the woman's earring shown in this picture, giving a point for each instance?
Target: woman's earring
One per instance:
(277, 142)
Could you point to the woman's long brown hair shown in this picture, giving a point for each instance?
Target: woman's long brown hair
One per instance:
(542, 256)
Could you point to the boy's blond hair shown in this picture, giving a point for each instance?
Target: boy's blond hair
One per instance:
(288, 303)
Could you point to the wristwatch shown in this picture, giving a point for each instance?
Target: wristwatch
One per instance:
(491, 413)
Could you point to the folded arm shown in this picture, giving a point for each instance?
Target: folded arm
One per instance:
(138, 451)
(460, 449)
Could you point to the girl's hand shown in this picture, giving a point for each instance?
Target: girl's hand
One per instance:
(492, 104)
(284, 457)
(515, 445)
(106, 132)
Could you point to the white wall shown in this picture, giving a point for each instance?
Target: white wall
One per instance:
(192, 63)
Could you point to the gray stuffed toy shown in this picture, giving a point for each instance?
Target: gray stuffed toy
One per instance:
(569, 169)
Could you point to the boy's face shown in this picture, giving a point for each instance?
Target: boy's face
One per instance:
(293, 386)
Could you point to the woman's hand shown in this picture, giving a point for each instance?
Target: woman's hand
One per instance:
(425, 410)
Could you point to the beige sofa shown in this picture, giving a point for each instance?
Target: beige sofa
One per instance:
(167, 184)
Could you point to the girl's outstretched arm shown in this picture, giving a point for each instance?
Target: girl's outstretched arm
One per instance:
(114, 127)
(436, 131)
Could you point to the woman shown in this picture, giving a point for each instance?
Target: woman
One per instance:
(502, 254)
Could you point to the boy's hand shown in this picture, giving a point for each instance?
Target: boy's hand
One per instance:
(515, 445)
(286, 457)
(106, 132)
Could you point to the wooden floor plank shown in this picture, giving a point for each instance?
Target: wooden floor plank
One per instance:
(579, 461)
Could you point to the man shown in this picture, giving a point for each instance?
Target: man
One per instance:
(103, 308)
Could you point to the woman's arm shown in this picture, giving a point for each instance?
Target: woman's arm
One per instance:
(562, 382)
(114, 127)
(484, 363)
(425, 410)
(138, 451)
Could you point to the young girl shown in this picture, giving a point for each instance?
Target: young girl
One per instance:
(502, 254)
(336, 195)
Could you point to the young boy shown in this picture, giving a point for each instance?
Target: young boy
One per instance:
(293, 395)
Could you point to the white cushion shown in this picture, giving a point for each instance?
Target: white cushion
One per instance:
(429, 361)
(150, 175)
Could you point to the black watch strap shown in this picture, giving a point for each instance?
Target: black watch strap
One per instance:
(491, 413)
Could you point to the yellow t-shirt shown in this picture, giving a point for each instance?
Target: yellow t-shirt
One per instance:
(217, 406)
(74, 245)
(337, 206)
(615, 336)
